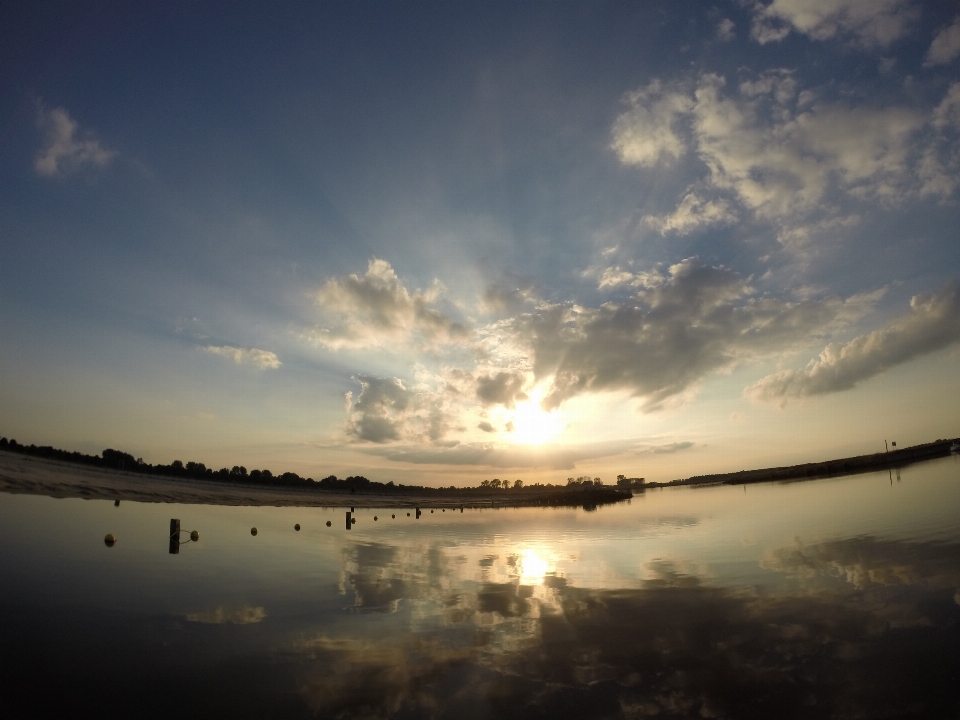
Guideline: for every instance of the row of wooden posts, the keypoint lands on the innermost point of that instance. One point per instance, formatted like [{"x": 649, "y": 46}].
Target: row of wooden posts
[{"x": 194, "y": 535}]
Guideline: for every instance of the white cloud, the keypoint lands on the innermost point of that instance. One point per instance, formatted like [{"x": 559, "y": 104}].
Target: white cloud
[
  {"x": 933, "y": 323},
  {"x": 647, "y": 132},
  {"x": 945, "y": 47},
  {"x": 692, "y": 212},
  {"x": 725, "y": 31},
  {"x": 947, "y": 113},
  {"x": 788, "y": 158},
  {"x": 262, "y": 359},
  {"x": 869, "y": 23},
  {"x": 376, "y": 310},
  {"x": 64, "y": 151}
]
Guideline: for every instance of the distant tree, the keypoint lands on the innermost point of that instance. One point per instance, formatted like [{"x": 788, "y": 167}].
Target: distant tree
[
  {"x": 597, "y": 482},
  {"x": 484, "y": 483},
  {"x": 517, "y": 484},
  {"x": 495, "y": 483},
  {"x": 238, "y": 470}
]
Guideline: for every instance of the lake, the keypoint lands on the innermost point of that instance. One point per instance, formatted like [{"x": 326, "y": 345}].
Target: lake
[{"x": 831, "y": 598}]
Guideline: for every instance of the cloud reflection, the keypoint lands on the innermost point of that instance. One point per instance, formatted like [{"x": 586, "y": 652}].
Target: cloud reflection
[{"x": 863, "y": 627}]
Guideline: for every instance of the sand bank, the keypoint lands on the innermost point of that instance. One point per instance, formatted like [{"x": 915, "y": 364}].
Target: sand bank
[{"x": 40, "y": 476}]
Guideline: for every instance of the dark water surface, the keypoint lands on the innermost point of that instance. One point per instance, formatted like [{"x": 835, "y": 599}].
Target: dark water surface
[{"x": 826, "y": 599}]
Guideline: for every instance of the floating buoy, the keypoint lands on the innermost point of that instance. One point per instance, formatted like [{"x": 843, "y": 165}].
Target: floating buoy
[
  {"x": 443, "y": 510},
  {"x": 431, "y": 512},
  {"x": 328, "y": 523},
  {"x": 194, "y": 535},
  {"x": 374, "y": 518},
  {"x": 394, "y": 517},
  {"x": 109, "y": 540},
  {"x": 116, "y": 503},
  {"x": 253, "y": 531},
  {"x": 353, "y": 521},
  {"x": 408, "y": 514},
  {"x": 297, "y": 527}
]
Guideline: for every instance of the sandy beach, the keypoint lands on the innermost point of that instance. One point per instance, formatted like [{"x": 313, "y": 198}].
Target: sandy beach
[{"x": 20, "y": 473}]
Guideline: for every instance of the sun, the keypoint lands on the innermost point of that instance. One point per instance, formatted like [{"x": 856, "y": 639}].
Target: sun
[{"x": 533, "y": 426}]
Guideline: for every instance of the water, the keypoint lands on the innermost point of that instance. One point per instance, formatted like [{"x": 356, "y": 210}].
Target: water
[{"x": 831, "y": 598}]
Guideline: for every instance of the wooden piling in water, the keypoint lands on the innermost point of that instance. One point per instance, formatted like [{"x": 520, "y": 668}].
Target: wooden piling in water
[
  {"x": 348, "y": 520},
  {"x": 174, "y": 536}
]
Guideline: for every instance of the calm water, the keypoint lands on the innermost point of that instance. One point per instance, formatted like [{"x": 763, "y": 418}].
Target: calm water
[{"x": 833, "y": 598}]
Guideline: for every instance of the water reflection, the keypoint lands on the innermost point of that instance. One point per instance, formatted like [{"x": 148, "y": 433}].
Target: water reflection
[
  {"x": 834, "y": 599},
  {"x": 873, "y": 630}
]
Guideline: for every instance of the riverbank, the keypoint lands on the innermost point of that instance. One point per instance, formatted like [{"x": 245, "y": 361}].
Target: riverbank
[
  {"x": 27, "y": 474},
  {"x": 828, "y": 468}
]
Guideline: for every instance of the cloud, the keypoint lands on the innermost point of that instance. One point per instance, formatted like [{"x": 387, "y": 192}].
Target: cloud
[
  {"x": 262, "y": 359},
  {"x": 945, "y": 46},
  {"x": 725, "y": 31},
  {"x": 486, "y": 427},
  {"x": 647, "y": 132},
  {"x": 556, "y": 457},
  {"x": 376, "y": 310},
  {"x": 693, "y": 212},
  {"x": 870, "y": 23},
  {"x": 933, "y": 323},
  {"x": 504, "y": 388},
  {"x": 386, "y": 410},
  {"x": 245, "y": 615},
  {"x": 788, "y": 157},
  {"x": 659, "y": 344},
  {"x": 64, "y": 151},
  {"x": 667, "y": 449}
]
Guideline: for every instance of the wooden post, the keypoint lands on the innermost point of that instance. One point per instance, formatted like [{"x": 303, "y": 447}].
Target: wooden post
[
  {"x": 418, "y": 513},
  {"x": 174, "y": 536},
  {"x": 348, "y": 519}
]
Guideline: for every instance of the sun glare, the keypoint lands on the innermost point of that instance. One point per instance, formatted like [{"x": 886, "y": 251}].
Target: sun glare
[
  {"x": 533, "y": 566},
  {"x": 533, "y": 426}
]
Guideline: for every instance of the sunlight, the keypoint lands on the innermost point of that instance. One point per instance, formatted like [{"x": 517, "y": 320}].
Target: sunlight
[
  {"x": 533, "y": 426},
  {"x": 532, "y": 567}
]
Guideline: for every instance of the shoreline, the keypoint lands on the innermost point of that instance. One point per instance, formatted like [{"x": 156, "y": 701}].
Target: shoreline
[
  {"x": 30, "y": 475},
  {"x": 22, "y": 473},
  {"x": 840, "y": 467}
]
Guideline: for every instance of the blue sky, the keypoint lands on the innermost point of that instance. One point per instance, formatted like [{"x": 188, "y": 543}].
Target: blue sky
[{"x": 438, "y": 242}]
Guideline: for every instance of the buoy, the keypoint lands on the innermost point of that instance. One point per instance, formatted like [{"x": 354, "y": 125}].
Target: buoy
[
  {"x": 353, "y": 521},
  {"x": 374, "y": 518},
  {"x": 393, "y": 517},
  {"x": 328, "y": 523},
  {"x": 194, "y": 535},
  {"x": 253, "y": 531},
  {"x": 297, "y": 527},
  {"x": 443, "y": 510},
  {"x": 408, "y": 514},
  {"x": 109, "y": 540},
  {"x": 431, "y": 512},
  {"x": 116, "y": 503}
]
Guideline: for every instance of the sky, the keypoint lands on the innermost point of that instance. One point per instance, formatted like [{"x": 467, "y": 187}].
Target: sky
[{"x": 436, "y": 242}]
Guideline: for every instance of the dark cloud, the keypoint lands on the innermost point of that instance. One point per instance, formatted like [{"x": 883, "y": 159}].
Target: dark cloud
[
  {"x": 486, "y": 427},
  {"x": 668, "y": 448},
  {"x": 504, "y": 388},
  {"x": 932, "y": 324},
  {"x": 558, "y": 457},
  {"x": 698, "y": 320}
]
